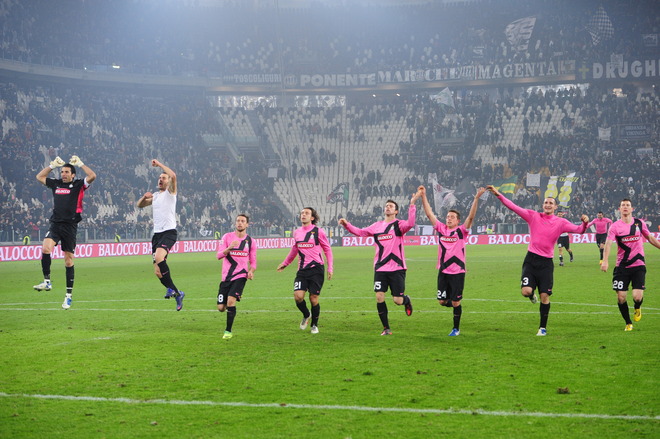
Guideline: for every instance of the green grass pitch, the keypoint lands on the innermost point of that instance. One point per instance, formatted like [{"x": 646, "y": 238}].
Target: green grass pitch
[{"x": 123, "y": 363}]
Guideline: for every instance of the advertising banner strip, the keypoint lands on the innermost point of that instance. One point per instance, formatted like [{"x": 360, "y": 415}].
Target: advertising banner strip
[{"x": 13, "y": 253}]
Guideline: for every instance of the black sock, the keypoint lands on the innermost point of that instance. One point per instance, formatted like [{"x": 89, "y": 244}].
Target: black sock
[
  {"x": 561, "y": 259},
  {"x": 165, "y": 278},
  {"x": 406, "y": 300},
  {"x": 544, "y": 310},
  {"x": 458, "y": 310},
  {"x": 625, "y": 313},
  {"x": 638, "y": 305},
  {"x": 231, "y": 314},
  {"x": 316, "y": 312},
  {"x": 302, "y": 306},
  {"x": 70, "y": 275},
  {"x": 571, "y": 255},
  {"x": 382, "y": 313},
  {"x": 601, "y": 254},
  {"x": 45, "y": 265}
]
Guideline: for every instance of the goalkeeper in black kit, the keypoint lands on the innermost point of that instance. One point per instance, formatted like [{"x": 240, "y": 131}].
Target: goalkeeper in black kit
[{"x": 68, "y": 194}]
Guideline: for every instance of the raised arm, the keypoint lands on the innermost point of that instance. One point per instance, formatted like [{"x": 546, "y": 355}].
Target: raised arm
[
  {"x": 90, "y": 175},
  {"x": 172, "y": 189},
  {"x": 523, "y": 213},
  {"x": 412, "y": 213},
  {"x": 427, "y": 207},
  {"x": 354, "y": 230},
  {"x": 43, "y": 174},
  {"x": 473, "y": 209}
]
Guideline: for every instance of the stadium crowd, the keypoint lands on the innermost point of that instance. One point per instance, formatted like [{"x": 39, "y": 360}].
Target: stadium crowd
[
  {"x": 218, "y": 38},
  {"x": 119, "y": 133}
]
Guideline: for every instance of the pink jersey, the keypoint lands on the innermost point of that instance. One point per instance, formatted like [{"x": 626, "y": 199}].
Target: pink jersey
[
  {"x": 309, "y": 243},
  {"x": 628, "y": 237},
  {"x": 543, "y": 229},
  {"x": 388, "y": 240},
  {"x": 451, "y": 248},
  {"x": 235, "y": 265},
  {"x": 601, "y": 224}
]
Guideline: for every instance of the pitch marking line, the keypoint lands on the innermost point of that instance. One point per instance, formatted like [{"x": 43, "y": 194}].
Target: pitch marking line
[{"x": 334, "y": 407}]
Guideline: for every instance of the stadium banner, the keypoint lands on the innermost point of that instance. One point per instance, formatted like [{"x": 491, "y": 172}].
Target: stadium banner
[
  {"x": 13, "y": 253},
  {"x": 627, "y": 69},
  {"x": 540, "y": 69},
  {"x": 635, "y": 131},
  {"x": 33, "y": 252}
]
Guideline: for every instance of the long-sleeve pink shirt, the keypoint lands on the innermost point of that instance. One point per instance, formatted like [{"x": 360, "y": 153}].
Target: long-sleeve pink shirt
[
  {"x": 543, "y": 229},
  {"x": 309, "y": 244},
  {"x": 388, "y": 240},
  {"x": 240, "y": 259},
  {"x": 601, "y": 224}
]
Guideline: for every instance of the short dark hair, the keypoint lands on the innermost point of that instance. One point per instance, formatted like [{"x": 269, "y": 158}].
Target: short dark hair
[
  {"x": 247, "y": 218},
  {"x": 458, "y": 214},
  {"x": 396, "y": 205},
  {"x": 600, "y": 211},
  {"x": 70, "y": 166},
  {"x": 315, "y": 214},
  {"x": 626, "y": 199}
]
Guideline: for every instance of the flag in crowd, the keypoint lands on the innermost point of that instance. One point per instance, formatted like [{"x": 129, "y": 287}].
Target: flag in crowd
[
  {"x": 442, "y": 197},
  {"x": 560, "y": 187},
  {"x": 444, "y": 98},
  {"x": 519, "y": 32},
  {"x": 339, "y": 195},
  {"x": 600, "y": 27},
  {"x": 507, "y": 186}
]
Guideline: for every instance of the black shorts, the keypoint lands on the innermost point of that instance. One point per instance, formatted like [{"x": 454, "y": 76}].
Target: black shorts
[
  {"x": 601, "y": 238},
  {"x": 165, "y": 240},
  {"x": 623, "y": 277},
  {"x": 63, "y": 234},
  {"x": 233, "y": 288},
  {"x": 563, "y": 241},
  {"x": 537, "y": 273},
  {"x": 394, "y": 280},
  {"x": 450, "y": 286},
  {"x": 310, "y": 279}
]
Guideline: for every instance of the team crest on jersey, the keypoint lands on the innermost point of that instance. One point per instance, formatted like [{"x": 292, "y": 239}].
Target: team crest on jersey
[
  {"x": 385, "y": 237},
  {"x": 449, "y": 238},
  {"x": 62, "y": 191},
  {"x": 304, "y": 245},
  {"x": 630, "y": 239},
  {"x": 239, "y": 253}
]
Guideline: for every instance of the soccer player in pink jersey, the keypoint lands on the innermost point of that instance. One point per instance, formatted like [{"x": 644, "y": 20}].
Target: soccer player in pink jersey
[
  {"x": 628, "y": 233},
  {"x": 390, "y": 259},
  {"x": 602, "y": 227},
  {"x": 538, "y": 268},
  {"x": 239, "y": 262},
  {"x": 452, "y": 238},
  {"x": 309, "y": 243}
]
